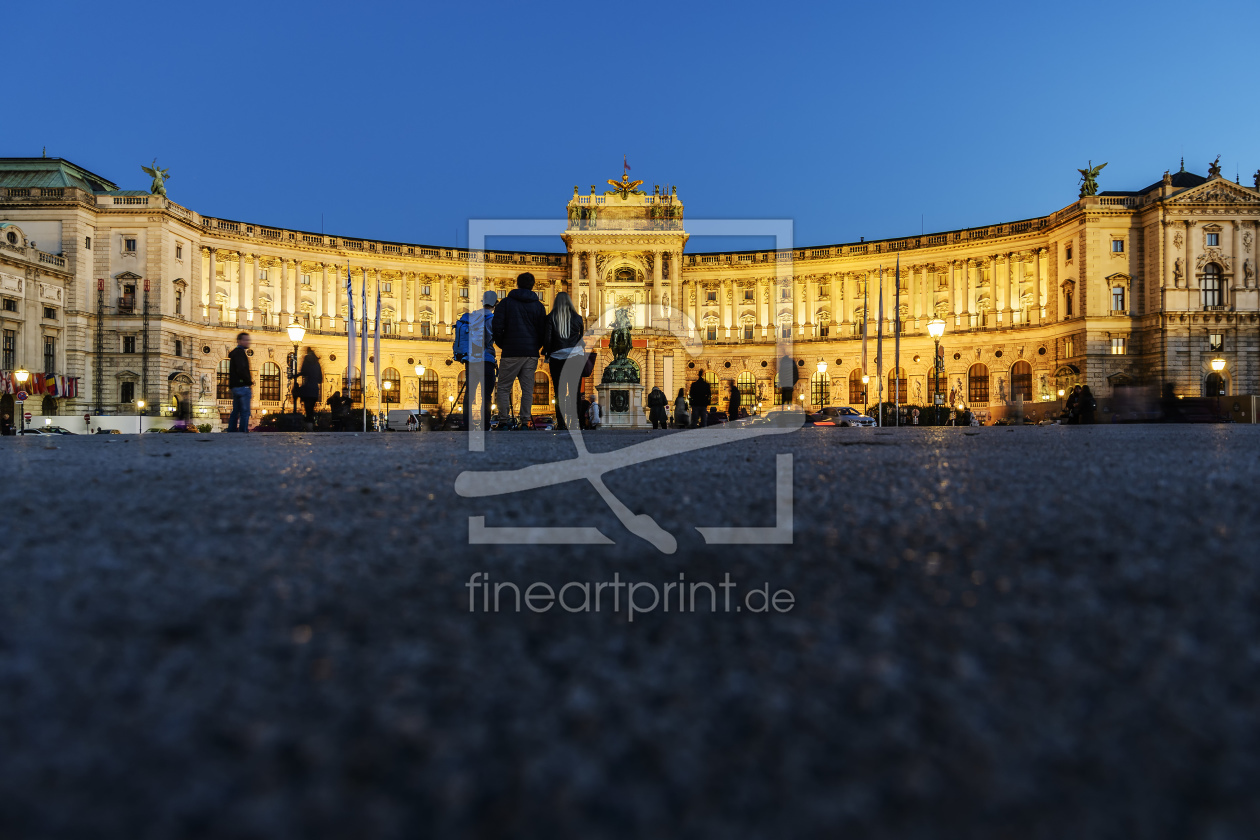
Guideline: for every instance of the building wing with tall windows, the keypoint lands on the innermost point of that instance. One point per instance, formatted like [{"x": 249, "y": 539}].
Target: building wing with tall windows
[{"x": 120, "y": 295}]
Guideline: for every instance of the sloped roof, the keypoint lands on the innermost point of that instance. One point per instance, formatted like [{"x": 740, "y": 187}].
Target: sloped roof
[
  {"x": 1180, "y": 180},
  {"x": 50, "y": 173}
]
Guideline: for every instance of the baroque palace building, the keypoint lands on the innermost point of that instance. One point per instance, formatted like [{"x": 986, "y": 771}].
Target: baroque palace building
[{"x": 121, "y": 295}]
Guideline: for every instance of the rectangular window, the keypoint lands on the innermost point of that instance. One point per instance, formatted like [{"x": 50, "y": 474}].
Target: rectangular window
[
  {"x": 786, "y": 332},
  {"x": 129, "y": 245},
  {"x": 425, "y": 327},
  {"x": 179, "y": 347},
  {"x": 1067, "y": 304},
  {"x": 787, "y": 294},
  {"x": 306, "y": 280},
  {"x": 1117, "y": 246},
  {"x": 50, "y": 314},
  {"x": 424, "y": 290},
  {"x": 823, "y": 329},
  {"x": 748, "y": 294},
  {"x": 10, "y": 305},
  {"x": 179, "y": 252},
  {"x": 1067, "y": 347},
  {"x": 1117, "y": 347},
  {"x": 179, "y": 301},
  {"x": 1067, "y": 253},
  {"x": 1216, "y": 342},
  {"x": 710, "y": 295},
  {"x": 87, "y": 243},
  {"x": 711, "y": 334},
  {"x": 748, "y": 332},
  {"x": 1117, "y": 299},
  {"x": 9, "y": 355},
  {"x": 50, "y": 354},
  {"x": 1213, "y": 240},
  {"x": 127, "y": 392},
  {"x": 262, "y": 274},
  {"x": 387, "y": 288},
  {"x": 129, "y": 344},
  {"x": 463, "y": 292}
]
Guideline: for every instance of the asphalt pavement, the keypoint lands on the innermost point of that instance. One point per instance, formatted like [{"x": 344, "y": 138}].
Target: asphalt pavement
[{"x": 1038, "y": 632}]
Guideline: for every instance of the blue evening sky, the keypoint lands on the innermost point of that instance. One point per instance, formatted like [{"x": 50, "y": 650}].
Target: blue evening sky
[{"x": 402, "y": 121}]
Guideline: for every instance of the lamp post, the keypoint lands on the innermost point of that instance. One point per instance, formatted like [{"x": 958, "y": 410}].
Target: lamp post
[
  {"x": 140, "y": 408},
  {"x": 21, "y": 375},
  {"x": 936, "y": 329},
  {"x": 420, "y": 376},
  {"x": 865, "y": 381},
  {"x": 1218, "y": 365},
  {"x": 386, "y": 387},
  {"x": 297, "y": 332}
]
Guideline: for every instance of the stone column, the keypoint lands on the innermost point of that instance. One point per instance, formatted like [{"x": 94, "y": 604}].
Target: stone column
[
  {"x": 1041, "y": 281},
  {"x": 279, "y": 293},
  {"x": 809, "y": 306},
  {"x": 236, "y": 297},
  {"x": 211, "y": 284},
  {"x": 970, "y": 281},
  {"x": 1236, "y": 248},
  {"x": 321, "y": 300},
  {"x": 592, "y": 280},
  {"x": 675, "y": 284},
  {"x": 657, "y": 281},
  {"x": 836, "y": 310},
  {"x": 1192, "y": 280}
]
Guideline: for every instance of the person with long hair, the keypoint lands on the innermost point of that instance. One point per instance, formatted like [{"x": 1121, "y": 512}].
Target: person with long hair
[{"x": 562, "y": 340}]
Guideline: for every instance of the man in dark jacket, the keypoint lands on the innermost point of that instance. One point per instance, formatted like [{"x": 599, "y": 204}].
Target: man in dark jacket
[
  {"x": 519, "y": 325},
  {"x": 700, "y": 394},
  {"x": 787, "y": 380},
  {"x": 656, "y": 409},
  {"x": 241, "y": 383}
]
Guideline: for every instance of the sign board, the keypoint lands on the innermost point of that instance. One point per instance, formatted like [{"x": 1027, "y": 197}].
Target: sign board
[
  {"x": 21, "y": 396},
  {"x": 28, "y": 416},
  {"x": 940, "y": 399}
]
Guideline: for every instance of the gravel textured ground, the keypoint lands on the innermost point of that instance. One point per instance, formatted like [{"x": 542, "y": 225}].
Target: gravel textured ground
[{"x": 1033, "y": 633}]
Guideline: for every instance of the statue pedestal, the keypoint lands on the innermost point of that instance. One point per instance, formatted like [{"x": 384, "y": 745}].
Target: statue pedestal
[{"x": 622, "y": 404}]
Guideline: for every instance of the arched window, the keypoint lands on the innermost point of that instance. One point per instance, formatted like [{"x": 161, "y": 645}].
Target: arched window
[
  {"x": 1214, "y": 385},
  {"x": 747, "y": 386},
  {"x": 269, "y": 382},
  {"x": 978, "y": 384},
  {"x": 855, "y": 386},
  {"x": 897, "y": 389},
  {"x": 222, "y": 390},
  {"x": 355, "y": 393},
  {"x": 778, "y": 395},
  {"x": 1212, "y": 290},
  {"x": 429, "y": 388},
  {"x": 542, "y": 389},
  {"x": 48, "y": 407},
  {"x": 819, "y": 389},
  {"x": 1021, "y": 381},
  {"x": 393, "y": 394}
]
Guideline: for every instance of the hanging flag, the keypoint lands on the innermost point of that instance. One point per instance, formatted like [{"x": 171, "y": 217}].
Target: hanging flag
[
  {"x": 897, "y": 346},
  {"x": 363, "y": 343},
  {"x": 624, "y": 165},
  {"x": 349, "y": 333},
  {"x": 866, "y": 308},
  {"x": 376, "y": 341},
  {"x": 879, "y": 350}
]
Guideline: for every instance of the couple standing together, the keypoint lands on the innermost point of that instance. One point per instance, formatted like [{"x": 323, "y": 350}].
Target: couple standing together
[{"x": 521, "y": 327}]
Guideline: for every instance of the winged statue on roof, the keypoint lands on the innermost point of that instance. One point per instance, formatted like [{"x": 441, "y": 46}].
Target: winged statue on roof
[
  {"x": 1089, "y": 179},
  {"x": 159, "y": 176},
  {"x": 625, "y": 187}
]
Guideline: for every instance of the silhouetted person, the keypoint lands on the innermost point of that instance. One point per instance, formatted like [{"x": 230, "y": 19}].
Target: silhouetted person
[
  {"x": 656, "y": 408},
  {"x": 241, "y": 384},
  {"x": 312, "y": 381},
  {"x": 1087, "y": 405},
  {"x": 700, "y": 394},
  {"x": 788, "y": 375},
  {"x": 732, "y": 412}
]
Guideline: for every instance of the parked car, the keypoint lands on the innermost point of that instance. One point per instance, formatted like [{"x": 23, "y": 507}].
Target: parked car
[
  {"x": 57, "y": 430},
  {"x": 544, "y": 422},
  {"x": 840, "y": 415},
  {"x": 31, "y": 430}
]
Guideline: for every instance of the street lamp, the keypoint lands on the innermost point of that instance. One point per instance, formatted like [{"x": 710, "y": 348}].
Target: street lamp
[
  {"x": 21, "y": 375},
  {"x": 866, "y": 379},
  {"x": 936, "y": 329},
  {"x": 140, "y": 408},
  {"x": 1218, "y": 365},
  {"x": 822, "y": 366},
  {"x": 297, "y": 332},
  {"x": 420, "y": 376}
]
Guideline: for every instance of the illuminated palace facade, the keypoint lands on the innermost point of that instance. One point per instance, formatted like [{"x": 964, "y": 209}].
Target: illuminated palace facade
[{"x": 136, "y": 297}]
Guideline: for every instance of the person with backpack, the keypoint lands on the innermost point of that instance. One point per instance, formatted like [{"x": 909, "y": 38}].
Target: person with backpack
[
  {"x": 474, "y": 346},
  {"x": 656, "y": 409},
  {"x": 700, "y": 395},
  {"x": 595, "y": 416},
  {"x": 562, "y": 340},
  {"x": 520, "y": 322}
]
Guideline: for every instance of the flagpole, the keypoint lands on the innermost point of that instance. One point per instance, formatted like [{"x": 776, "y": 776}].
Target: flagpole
[
  {"x": 866, "y": 314},
  {"x": 879, "y": 351},
  {"x": 363, "y": 346},
  {"x": 897, "y": 347},
  {"x": 350, "y": 325}
]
